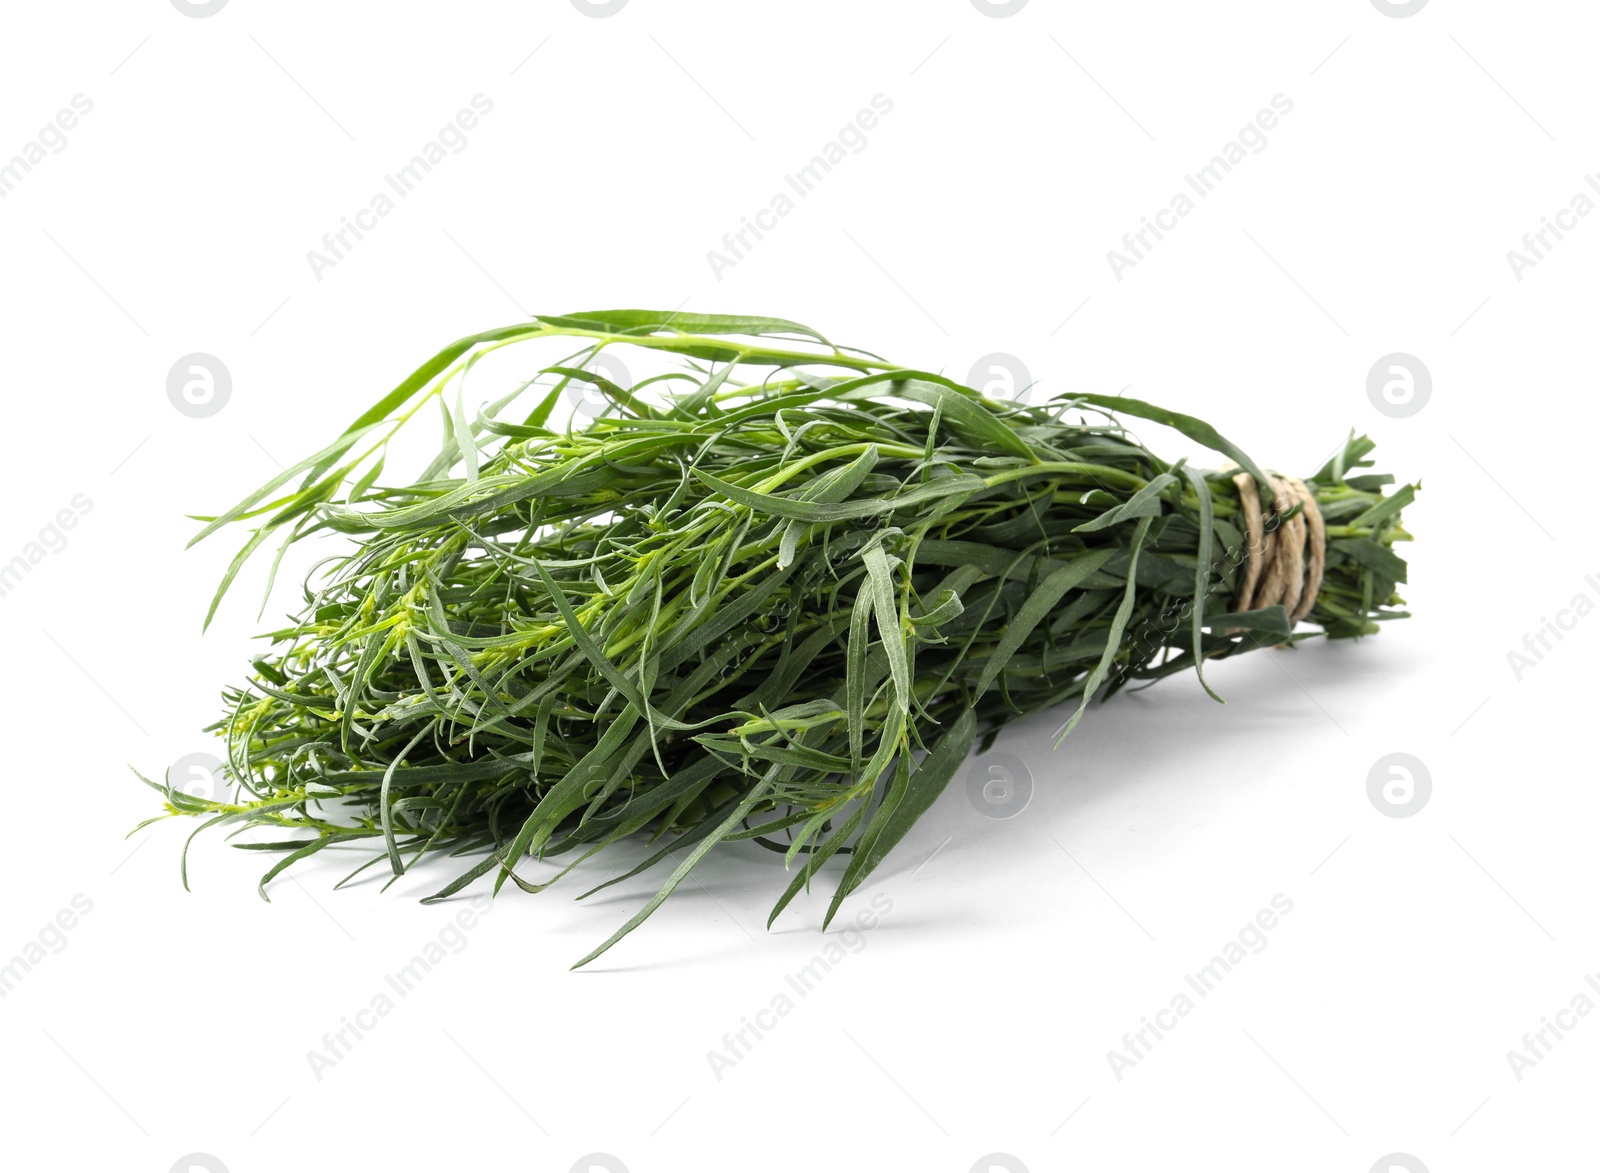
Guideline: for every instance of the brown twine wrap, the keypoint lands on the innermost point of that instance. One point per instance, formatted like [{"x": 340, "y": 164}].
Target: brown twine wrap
[{"x": 1284, "y": 564}]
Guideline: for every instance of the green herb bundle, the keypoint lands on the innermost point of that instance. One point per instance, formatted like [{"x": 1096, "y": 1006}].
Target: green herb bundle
[{"x": 773, "y": 594}]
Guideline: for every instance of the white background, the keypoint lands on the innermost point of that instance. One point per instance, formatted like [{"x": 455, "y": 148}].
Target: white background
[{"x": 976, "y": 1018}]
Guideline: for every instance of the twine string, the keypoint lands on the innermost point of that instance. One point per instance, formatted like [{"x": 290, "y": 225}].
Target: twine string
[{"x": 1284, "y": 563}]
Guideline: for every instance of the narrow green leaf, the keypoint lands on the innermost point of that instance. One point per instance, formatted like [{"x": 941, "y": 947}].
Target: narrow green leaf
[{"x": 926, "y": 783}]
